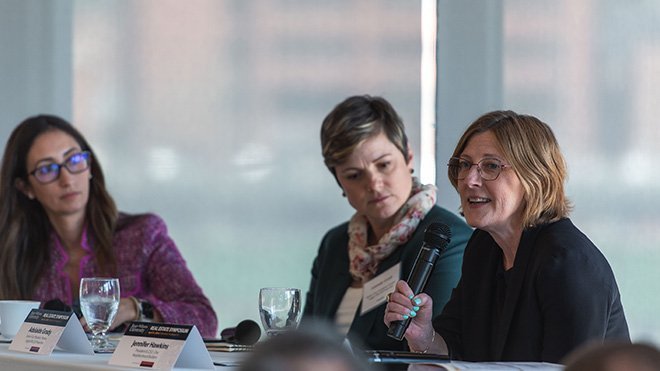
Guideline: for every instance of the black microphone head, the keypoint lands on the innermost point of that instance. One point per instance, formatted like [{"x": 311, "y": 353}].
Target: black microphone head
[
  {"x": 437, "y": 234},
  {"x": 247, "y": 332}
]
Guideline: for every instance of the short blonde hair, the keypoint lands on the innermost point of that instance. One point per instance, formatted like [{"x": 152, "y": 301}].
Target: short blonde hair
[
  {"x": 530, "y": 147},
  {"x": 355, "y": 120}
]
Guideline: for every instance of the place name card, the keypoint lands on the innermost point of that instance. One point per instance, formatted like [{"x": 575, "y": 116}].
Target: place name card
[
  {"x": 44, "y": 329},
  {"x": 161, "y": 346}
]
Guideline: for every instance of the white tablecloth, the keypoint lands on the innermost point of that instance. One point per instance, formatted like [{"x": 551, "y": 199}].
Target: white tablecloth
[{"x": 58, "y": 360}]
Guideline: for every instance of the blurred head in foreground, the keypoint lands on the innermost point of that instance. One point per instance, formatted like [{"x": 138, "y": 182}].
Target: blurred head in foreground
[
  {"x": 614, "y": 357},
  {"x": 307, "y": 349}
]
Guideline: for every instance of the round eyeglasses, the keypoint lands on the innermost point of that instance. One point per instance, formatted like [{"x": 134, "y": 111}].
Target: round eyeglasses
[
  {"x": 76, "y": 163},
  {"x": 488, "y": 168}
]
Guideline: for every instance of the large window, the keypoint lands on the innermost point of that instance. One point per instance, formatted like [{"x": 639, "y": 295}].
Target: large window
[
  {"x": 591, "y": 70},
  {"x": 208, "y": 113}
]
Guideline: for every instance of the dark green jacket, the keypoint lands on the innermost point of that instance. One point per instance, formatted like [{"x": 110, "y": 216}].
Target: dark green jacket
[{"x": 331, "y": 278}]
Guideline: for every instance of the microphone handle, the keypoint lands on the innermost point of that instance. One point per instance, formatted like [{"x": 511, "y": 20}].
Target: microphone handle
[{"x": 417, "y": 281}]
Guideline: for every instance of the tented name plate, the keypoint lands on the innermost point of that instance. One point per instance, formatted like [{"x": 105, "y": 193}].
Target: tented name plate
[
  {"x": 161, "y": 346},
  {"x": 43, "y": 330}
]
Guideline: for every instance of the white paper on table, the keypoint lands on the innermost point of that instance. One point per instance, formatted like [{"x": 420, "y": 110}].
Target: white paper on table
[{"x": 492, "y": 366}]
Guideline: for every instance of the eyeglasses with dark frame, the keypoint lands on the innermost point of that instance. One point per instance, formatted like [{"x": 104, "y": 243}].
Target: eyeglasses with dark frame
[
  {"x": 488, "y": 168},
  {"x": 75, "y": 164}
]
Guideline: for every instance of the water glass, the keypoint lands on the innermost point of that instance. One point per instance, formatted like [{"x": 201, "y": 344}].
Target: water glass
[
  {"x": 99, "y": 301},
  {"x": 279, "y": 309}
]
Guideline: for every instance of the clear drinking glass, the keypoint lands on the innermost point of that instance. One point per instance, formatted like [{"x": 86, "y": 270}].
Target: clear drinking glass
[
  {"x": 99, "y": 301},
  {"x": 279, "y": 309}
]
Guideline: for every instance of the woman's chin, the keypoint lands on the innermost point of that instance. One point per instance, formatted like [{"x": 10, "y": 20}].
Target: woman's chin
[{"x": 474, "y": 222}]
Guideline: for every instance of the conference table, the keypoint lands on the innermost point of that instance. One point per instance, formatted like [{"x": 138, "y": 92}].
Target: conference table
[
  {"x": 59, "y": 360},
  {"x": 225, "y": 361}
]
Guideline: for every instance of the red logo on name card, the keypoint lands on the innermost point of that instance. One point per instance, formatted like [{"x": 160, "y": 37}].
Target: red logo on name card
[
  {"x": 35, "y": 349},
  {"x": 146, "y": 364}
]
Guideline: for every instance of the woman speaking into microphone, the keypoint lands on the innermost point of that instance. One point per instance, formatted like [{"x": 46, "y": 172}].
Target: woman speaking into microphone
[
  {"x": 533, "y": 286},
  {"x": 366, "y": 150}
]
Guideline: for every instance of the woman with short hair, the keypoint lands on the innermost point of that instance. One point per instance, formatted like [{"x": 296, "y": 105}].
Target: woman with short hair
[{"x": 533, "y": 286}]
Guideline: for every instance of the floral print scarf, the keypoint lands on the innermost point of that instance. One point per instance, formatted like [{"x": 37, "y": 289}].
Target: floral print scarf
[{"x": 364, "y": 260}]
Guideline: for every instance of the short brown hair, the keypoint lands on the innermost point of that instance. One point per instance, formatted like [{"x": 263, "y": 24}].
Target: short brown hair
[
  {"x": 530, "y": 147},
  {"x": 356, "y": 119}
]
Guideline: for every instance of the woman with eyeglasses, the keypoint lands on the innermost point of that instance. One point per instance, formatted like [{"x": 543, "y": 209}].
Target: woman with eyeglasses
[
  {"x": 59, "y": 224},
  {"x": 533, "y": 286}
]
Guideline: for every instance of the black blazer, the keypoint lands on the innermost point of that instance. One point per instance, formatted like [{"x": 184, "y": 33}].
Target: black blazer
[
  {"x": 560, "y": 294},
  {"x": 331, "y": 278}
]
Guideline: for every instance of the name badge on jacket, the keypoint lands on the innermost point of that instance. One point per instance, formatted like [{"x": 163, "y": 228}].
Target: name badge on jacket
[{"x": 375, "y": 291}]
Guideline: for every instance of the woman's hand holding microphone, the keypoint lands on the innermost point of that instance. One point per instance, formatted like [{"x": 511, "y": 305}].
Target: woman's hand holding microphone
[{"x": 421, "y": 336}]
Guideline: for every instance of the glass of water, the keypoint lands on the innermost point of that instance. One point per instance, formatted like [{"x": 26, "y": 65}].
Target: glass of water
[
  {"x": 99, "y": 301},
  {"x": 279, "y": 309}
]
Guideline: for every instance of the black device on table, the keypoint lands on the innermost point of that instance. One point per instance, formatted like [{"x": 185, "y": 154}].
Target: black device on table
[{"x": 400, "y": 361}]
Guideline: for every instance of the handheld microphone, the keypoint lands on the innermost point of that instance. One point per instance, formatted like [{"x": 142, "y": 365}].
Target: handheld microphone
[
  {"x": 247, "y": 332},
  {"x": 436, "y": 238}
]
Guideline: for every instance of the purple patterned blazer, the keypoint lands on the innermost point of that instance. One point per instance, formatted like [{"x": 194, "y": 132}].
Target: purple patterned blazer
[{"x": 149, "y": 267}]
